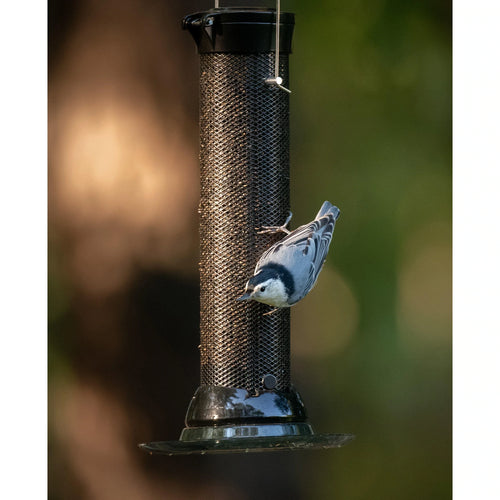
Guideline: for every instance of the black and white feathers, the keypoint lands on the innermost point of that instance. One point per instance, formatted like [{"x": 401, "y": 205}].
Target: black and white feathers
[{"x": 289, "y": 269}]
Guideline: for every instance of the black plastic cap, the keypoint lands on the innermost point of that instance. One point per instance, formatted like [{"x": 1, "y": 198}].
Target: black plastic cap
[{"x": 243, "y": 30}]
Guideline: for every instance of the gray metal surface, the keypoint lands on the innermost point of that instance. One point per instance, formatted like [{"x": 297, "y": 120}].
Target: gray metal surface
[
  {"x": 244, "y": 159},
  {"x": 248, "y": 444}
]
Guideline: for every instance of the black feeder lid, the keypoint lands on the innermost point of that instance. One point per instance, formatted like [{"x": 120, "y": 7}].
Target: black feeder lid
[{"x": 241, "y": 30}]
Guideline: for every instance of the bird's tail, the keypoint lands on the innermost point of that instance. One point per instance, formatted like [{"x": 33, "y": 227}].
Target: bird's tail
[{"x": 328, "y": 208}]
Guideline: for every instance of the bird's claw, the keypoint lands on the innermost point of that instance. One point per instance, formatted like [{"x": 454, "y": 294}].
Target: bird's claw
[
  {"x": 276, "y": 229},
  {"x": 273, "y": 229},
  {"x": 275, "y": 309}
]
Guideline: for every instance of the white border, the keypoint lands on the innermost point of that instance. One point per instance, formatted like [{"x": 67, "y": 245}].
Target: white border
[
  {"x": 23, "y": 256},
  {"x": 476, "y": 254}
]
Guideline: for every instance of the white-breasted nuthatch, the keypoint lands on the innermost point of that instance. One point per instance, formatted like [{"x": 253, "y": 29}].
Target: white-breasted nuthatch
[{"x": 287, "y": 271}]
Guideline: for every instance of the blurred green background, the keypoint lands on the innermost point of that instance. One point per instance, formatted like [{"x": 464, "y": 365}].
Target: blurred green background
[{"x": 371, "y": 345}]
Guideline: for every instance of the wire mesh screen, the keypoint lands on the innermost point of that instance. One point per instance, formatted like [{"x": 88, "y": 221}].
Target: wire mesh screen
[{"x": 244, "y": 158}]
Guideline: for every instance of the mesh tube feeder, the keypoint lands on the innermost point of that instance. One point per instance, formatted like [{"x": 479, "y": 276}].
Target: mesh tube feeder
[{"x": 245, "y": 401}]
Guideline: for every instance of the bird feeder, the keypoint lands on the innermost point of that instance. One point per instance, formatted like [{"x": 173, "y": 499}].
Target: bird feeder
[{"x": 245, "y": 401}]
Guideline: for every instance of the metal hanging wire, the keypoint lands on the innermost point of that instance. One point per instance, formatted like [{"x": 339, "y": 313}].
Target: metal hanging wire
[{"x": 277, "y": 80}]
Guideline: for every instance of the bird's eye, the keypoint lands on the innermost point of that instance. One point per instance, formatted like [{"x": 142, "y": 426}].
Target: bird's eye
[{"x": 262, "y": 288}]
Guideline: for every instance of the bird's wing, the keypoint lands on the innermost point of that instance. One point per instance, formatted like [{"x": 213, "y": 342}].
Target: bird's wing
[
  {"x": 297, "y": 238},
  {"x": 317, "y": 247}
]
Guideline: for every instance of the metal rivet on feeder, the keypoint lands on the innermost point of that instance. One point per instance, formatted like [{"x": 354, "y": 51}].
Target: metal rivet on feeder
[
  {"x": 269, "y": 381},
  {"x": 245, "y": 401}
]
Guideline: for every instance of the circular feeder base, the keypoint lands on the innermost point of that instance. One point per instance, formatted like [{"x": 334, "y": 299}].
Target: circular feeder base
[{"x": 245, "y": 443}]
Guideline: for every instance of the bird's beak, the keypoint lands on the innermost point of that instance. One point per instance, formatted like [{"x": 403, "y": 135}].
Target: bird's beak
[{"x": 245, "y": 296}]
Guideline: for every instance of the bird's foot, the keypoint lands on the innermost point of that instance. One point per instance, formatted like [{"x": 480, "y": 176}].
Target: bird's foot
[
  {"x": 276, "y": 229},
  {"x": 272, "y": 311}
]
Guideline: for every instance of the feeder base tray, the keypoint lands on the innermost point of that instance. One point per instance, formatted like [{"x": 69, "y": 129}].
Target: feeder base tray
[{"x": 247, "y": 439}]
